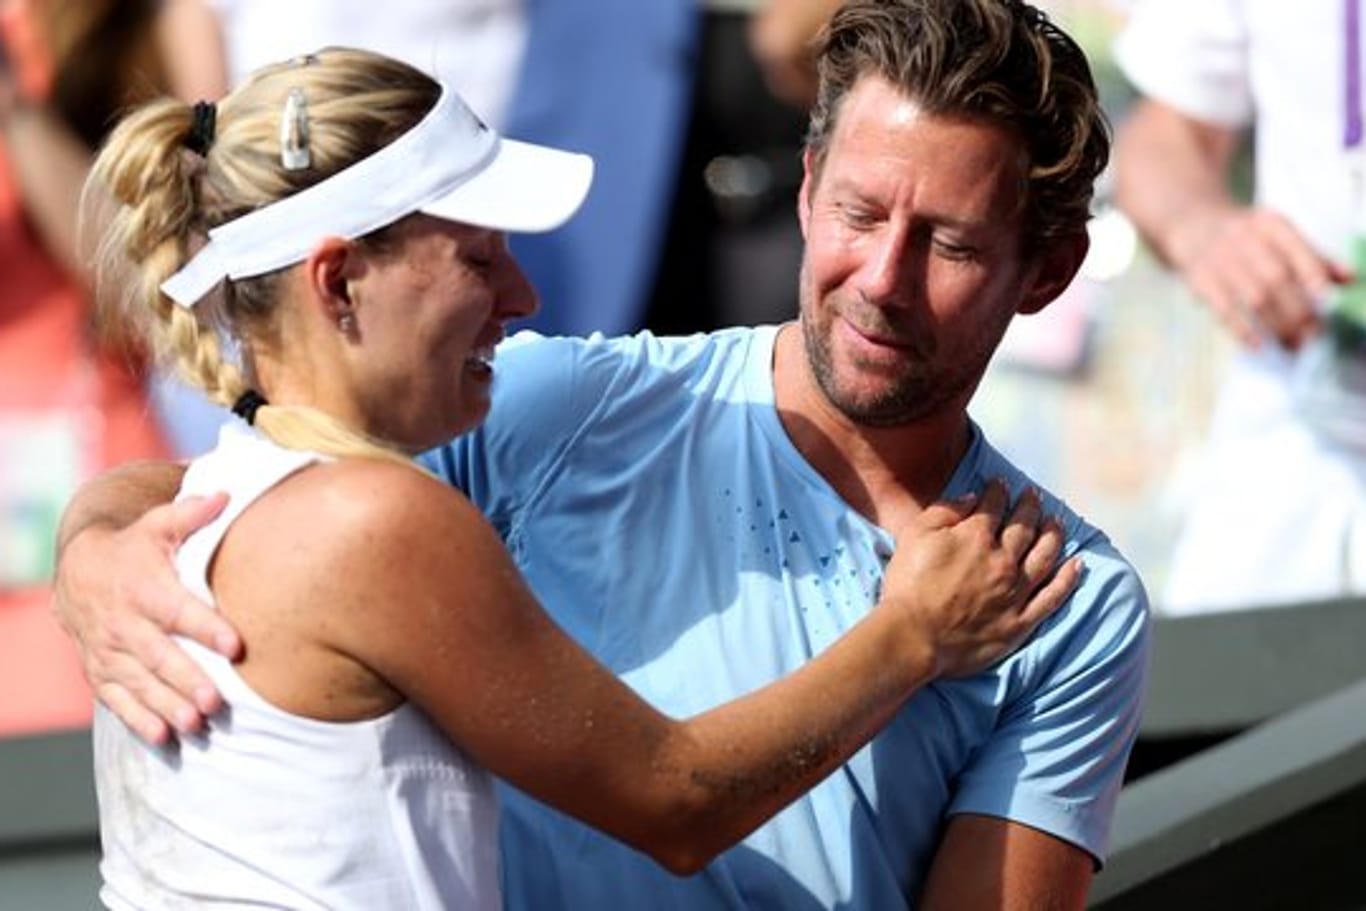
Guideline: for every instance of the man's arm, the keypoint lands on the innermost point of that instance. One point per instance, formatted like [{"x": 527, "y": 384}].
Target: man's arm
[
  {"x": 1031, "y": 809},
  {"x": 117, "y": 595},
  {"x": 1249, "y": 265},
  {"x": 988, "y": 863}
]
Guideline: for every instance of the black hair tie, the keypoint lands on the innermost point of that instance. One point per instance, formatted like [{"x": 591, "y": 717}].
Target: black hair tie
[
  {"x": 247, "y": 404},
  {"x": 203, "y": 128}
]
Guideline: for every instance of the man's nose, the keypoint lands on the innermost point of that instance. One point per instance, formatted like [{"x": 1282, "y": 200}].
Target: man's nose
[{"x": 889, "y": 268}]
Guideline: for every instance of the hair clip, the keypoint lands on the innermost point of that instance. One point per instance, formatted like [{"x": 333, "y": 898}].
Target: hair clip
[{"x": 294, "y": 153}]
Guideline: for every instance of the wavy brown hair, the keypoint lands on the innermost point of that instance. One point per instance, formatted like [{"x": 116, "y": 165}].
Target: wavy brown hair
[{"x": 1002, "y": 60}]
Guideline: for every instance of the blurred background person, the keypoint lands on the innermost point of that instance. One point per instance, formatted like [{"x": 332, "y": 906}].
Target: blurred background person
[
  {"x": 613, "y": 78},
  {"x": 474, "y": 44},
  {"x": 70, "y": 403},
  {"x": 782, "y": 35},
  {"x": 1287, "y": 428},
  {"x": 733, "y": 246}
]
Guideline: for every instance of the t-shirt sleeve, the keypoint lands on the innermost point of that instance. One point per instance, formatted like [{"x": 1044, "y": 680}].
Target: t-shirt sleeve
[
  {"x": 1056, "y": 758},
  {"x": 1192, "y": 55},
  {"x": 545, "y": 393}
]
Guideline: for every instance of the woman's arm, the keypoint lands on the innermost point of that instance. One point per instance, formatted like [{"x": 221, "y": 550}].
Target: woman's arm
[
  {"x": 407, "y": 580},
  {"x": 190, "y": 40},
  {"x": 50, "y": 164}
]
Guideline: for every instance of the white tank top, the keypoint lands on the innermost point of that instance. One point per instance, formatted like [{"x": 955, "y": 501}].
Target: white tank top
[{"x": 272, "y": 810}]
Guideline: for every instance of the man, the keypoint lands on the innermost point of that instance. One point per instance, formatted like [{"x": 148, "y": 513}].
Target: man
[
  {"x": 1266, "y": 271},
  {"x": 945, "y": 191}
]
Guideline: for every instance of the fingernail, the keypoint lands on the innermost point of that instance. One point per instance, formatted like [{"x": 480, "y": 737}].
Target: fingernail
[
  {"x": 156, "y": 734},
  {"x": 204, "y": 698},
  {"x": 186, "y": 720},
  {"x": 225, "y": 644}
]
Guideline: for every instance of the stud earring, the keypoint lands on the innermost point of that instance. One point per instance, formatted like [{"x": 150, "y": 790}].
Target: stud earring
[{"x": 346, "y": 322}]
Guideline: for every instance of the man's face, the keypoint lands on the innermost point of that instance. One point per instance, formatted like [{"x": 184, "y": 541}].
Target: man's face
[{"x": 912, "y": 267}]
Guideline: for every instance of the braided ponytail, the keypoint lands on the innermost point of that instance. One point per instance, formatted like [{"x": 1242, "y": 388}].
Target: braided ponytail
[{"x": 170, "y": 180}]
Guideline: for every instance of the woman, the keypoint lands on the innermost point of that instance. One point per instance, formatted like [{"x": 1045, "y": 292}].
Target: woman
[{"x": 394, "y": 658}]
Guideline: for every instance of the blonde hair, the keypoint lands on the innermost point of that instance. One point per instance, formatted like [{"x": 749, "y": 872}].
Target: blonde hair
[{"x": 166, "y": 198}]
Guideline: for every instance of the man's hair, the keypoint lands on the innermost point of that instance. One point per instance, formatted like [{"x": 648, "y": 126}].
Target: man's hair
[{"x": 1001, "y": 60}]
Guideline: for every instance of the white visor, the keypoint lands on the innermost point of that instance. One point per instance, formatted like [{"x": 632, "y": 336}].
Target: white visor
[{"x": 450, "y": 165}]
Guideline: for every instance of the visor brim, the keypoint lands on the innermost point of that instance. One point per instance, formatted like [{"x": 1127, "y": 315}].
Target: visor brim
[{"x": 525, "y": 188}]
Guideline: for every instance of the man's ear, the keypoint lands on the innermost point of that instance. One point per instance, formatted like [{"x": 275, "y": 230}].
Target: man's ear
[
  {"x": 328, "y": 273},
  {"x": 1053, "y": 271}
]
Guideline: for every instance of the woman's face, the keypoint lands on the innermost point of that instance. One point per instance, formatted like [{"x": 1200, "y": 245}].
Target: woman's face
[{"x": 429, "y": 313}]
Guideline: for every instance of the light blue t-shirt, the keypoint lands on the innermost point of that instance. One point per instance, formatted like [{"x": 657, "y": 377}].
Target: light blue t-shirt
[{"x": 659, "y": 510}]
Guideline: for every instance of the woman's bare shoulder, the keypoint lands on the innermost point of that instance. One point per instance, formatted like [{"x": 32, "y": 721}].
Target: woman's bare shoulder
[
  {"x": 337, "y": 570},
  {"x": 358, "y": 509}
]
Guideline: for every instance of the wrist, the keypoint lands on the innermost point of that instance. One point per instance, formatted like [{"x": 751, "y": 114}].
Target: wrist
[
  {"x": 1191, "y": 232},
  {"x": 910, "y": 650},
  {"x": 76, "y": 537},
  {"x": 71, "y": 556}
]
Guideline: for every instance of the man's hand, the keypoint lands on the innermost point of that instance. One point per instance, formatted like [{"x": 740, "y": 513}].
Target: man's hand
[
  {"x": 118, "y": 596},
  {"x": 1256, "y": 272},
  {"x": 975, "y": 578}
]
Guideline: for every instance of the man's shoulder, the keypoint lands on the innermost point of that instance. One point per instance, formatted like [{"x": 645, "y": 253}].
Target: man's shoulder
[
  {"x": 529, "y": 347},
  {"x": 576, "y": 375},
  {"x": 1112, "y": 589},
  {"x": 555, "y": 394}
]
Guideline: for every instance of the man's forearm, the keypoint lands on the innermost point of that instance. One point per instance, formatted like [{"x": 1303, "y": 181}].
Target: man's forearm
[
  {"x": 1172, "y": 172},
  {"x": 118, "y": 498}
]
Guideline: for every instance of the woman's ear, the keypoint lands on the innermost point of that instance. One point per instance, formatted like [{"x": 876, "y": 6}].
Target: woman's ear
[{"x": 328, "y": 273}]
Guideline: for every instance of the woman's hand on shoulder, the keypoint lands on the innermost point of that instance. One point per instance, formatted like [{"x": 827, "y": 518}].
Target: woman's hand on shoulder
[{"x": 976, "y": 577}]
